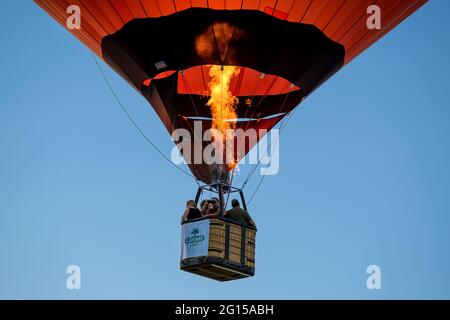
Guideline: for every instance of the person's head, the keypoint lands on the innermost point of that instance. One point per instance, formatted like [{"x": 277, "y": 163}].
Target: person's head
[
  {"x": 191, "y": 204},
  {"x": 215, "y": 202},
  {"x": 202, "y": 203},
  {"x": 235, "y": 203}
]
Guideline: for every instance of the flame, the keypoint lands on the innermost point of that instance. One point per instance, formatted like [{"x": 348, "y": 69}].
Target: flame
[{"x": 223, "y": 109}]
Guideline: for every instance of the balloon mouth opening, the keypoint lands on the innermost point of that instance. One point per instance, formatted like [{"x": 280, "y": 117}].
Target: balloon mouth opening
[{"x": 249, "y": 82}]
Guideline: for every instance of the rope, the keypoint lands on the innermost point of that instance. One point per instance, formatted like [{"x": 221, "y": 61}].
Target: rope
[
  {"x": 276, "y": 142},
  {"x": 283, "y": 122},
  {"x": 124, "y": 109}
]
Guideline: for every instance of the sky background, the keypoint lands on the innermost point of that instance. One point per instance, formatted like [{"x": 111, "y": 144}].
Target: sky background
[{"x": 364, "y": 177}]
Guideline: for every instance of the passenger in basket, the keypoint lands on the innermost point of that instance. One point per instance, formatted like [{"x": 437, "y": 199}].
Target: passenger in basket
[
  {"x": 212, "y": 208},
  {"x": 239, "y": 215},
  {"x": 215, "y": 206},
  {"x": 191, "y": 212},
  {"x": 205, "y": 207}
]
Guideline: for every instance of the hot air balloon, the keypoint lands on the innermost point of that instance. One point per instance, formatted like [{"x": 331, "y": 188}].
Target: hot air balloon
[{"x": 228, "y": 65}]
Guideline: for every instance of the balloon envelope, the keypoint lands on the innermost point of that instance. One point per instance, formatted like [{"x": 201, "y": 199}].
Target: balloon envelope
[{"x": 285, "y": 49}]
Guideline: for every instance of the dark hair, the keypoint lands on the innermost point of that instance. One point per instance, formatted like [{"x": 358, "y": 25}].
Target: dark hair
[{"x": 235, "y": 203}]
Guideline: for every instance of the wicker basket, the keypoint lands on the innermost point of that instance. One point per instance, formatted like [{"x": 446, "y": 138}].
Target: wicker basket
[{"x": 231, "y": 252}]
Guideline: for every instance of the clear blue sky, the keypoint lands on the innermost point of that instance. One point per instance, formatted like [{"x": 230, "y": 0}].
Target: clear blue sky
[{"x": 364, "y": 177}]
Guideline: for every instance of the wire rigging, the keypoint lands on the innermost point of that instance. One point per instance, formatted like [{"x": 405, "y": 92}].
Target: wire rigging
[
  {"x": 276, "y": 142},
  {"x": 124, "y": 109},
  {"x": 283, "y": 121}
]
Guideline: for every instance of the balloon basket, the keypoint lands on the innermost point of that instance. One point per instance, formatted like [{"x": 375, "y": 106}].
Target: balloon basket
[{"x": 230, "y": 251}]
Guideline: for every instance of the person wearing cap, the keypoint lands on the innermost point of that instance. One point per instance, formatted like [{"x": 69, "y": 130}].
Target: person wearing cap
[{"x": 239, "y": 215}]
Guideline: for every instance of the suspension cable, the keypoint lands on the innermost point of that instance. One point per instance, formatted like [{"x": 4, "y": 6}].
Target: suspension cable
[
  {"x": 124, "y": 109},
  {"x": 283, "y": 121},
  {"x": 276, "y": 142}
]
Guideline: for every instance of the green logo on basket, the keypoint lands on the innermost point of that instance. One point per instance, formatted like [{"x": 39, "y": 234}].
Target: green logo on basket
[{"x": 194, "y": 238}]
